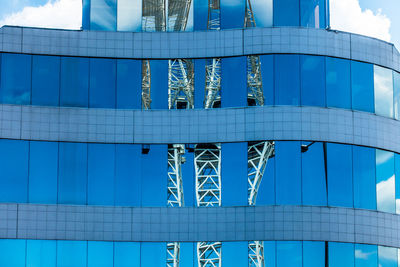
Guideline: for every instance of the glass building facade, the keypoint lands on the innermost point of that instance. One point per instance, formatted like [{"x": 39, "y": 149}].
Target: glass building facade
[{"x": 80, "y": 188}]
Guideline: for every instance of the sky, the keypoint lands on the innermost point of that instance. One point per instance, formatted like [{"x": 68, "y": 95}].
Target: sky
[{"x": 375, "y": 18}]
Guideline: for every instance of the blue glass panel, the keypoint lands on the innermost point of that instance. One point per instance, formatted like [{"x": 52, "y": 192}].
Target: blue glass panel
[
  {"x": 396, "y": 95},
  {"x": 15, "y": 86},
  {"x": 383, "y": 82},
  {"x": 362, "y": 86},
  {"x": 86, "y": 14},
  {"x": 74, "y": 82},
  {"x": 14, "y": 171},
  {"x": 340, "y": 175},
  {"x": 129, "y": 15},
  {"x": 288, "y": 180},
  {"x": 234, "y": 253},
  {"x": 312, "y": 13},
  {"x": 232, "y": 13},
  {"x": 313, "y": 254},
  {"x": 313, "y": 76},
  {"x": 397, "y": 181},
  {"x": 234, "y": 180},
  {"x": 366, "y": 255},
  {"x": 200, "y": 15},
  {"x": 199, "y": 80},
  {"x": 364, "y": 177},
  {"x": 287, "y": 80},
  {"x": 45, "y": 80},
  {"x": 234, "y": 82},
  {"x": 188, "y": 174},
  {"x": 188, "y": 256},
  {"x": 41, "y": 253},
  {"x": 387, "y": 256},
  {"x": 100, "y": 254},
  {"x": 288, "y": 253},
  {"x": 103, "y": 15},
  {"x": 341, "y": 254},
  {"x": 385, "y": 184},
  {"x": 263, "y": 12},
  {"x": 12, "y": 252},
  {"x": 267, "y": 73},
  {"x": 126, "y": 254},
  {"x": 314, "y": 174},
  {"x": 71, "y": 253},
  {"x": 159, "y": 84},
  {"x": 128, "y": 175},
  {"x": 102, "y": 83},
  {"x": 153, "y": 254},
  {"x": 43, "y": 168},
  {"x": 266, "y": 191},
  {"x": 129, "y": 84},
  {"x": 101, "y": 169},
  {"x": 269, "y": 254},
  {"x": 338, "y": 93},
  {"x": 286, "y": 13},
  {"x": 72, "y": 173},
  {"x": 154, "y": 176}
]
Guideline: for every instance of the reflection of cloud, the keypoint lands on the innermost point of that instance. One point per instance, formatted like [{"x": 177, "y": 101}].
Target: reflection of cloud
[
  {"x": 383, "y": 82},
  {"x": 64, "y": 14},
  {"x": 347, "y": 15},
  {"x": 359, "y": 254},
  {"x": 387, "y": 253},
  {"x": 383, "y": 157},
  {"x": 385, "y": 194}
]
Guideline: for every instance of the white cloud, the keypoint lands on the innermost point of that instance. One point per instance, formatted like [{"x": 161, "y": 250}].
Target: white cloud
[
  {"x": 62, "y": 14},
  {"x": 347, "y": 15},
  {"x": 359, "y": 254}
]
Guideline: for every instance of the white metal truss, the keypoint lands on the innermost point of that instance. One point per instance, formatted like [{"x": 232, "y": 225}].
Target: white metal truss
[
  {"x": 146, "y": 84},
  {"x": 178, "y": 14},
  {"x": 153, "y": 16},
  {"x": 180, "y": 84},
  {"x": 209, "y": 254},
  {"x": 173, "y": 254},
  {"x": 213, "y": 83},
  {"x": 255, "y": 94},
  {"x": 256, "y": 254}
]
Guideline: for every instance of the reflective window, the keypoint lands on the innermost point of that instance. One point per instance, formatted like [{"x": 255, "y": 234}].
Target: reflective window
[
  {"x": 269, "y": 253},
  {"x": 366, "y": 255},
  {"x": 313, "y": 254},
  {"x": 266, "y": 191},
  {"x": 338, "y": 93},
  {"x": 200, "y": 15},
  {"x": 102, "y": 83},
  {"x": 126, "y": 254},
  {"x": 364, "y": 177},
  {"x": 159, "y": 84},
  {"x": 174, "y": 18},
  {"x": 234, "y": 82},
  {"x": 312, "y": 13},
  {"x": 100, "y": 254},
  {"x": 387, "y": 257},
  {"x": 129, "y": 15},
  {"x": 129, "y": 84},
  {"x": 128, "y": 175},
  {"x": 397, "y": 180},
  {"x": 385, "y": 184},
  {"x": 383, "y": 81},
  {"x": 313, "y": 173},
  {"x": 45, "y": 80},
  {"x": 234, "y": 180},
  {"x": 14, "y": 170},
  {"x": 153, "y": 254},
  {"x": 12, "y": 252},
  {"x": 15, "y": 82},
  {"x": 313, "y": 76},
  {"x": 341, "y": 254},
  {"x": 286, "y": 248},
  {"x": 43, "y": 167},
  {"x": 74, "y": 81},
  {"x": 65, "y": 249},
  {"x": 287, "y": 79},
  {"x": 154, "y": 173},
  {"x": 263, "y": 12},
  {"x": 41, "y": 253},
  {"x": 396, "y": 94},
  {"x": 72, "y": 173},
  {"x": 101, "y": 169},
  {"x": 234, "y": 253},
  {"x": 232, "y": 13},
  {"x": 199, "y": 80},
  {"x": 340, "y": 179},
  {"x": 86, "y": 14},
  {"x": 188, "y": 174},
  {"x": 103, "y": 15},
  {"x": 284, "y": 16},
  {"x": 288, "y": 180},
  {"x": 362, "y": 86},
  {"x": 267, "y": 73}
]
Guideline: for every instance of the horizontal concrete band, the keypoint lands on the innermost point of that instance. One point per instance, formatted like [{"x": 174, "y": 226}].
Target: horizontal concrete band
[
  {"x": 199, "y": 125},
  {"x": 30, "y": 221},
  {"x": 224, "y": 43}
]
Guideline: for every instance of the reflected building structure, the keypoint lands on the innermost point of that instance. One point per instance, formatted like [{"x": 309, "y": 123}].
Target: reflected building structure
[{"x": 199, "y": 133}]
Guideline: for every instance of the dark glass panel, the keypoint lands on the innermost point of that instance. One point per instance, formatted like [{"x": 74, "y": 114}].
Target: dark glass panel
[
  {"x": 159, "y": 84},
  {"x": 232, "y": 13},
  {"x": 287, "y": 80},
  {"x": 364, "y": 177},
  {"x": 129, "y": 84},
  {"x": 102, "y": 83},
  {"x": 46, "y": 80},
  {"x": 286, "y": 13},
  {"x": 362, "y": 86},
  {"x": 313, "y": 76},
  {"x": 338, "y": 93},
  {"x": 267, "y": 73},
  {"x": 234, "y": 82},
  {"x": 74, "y": 82}
]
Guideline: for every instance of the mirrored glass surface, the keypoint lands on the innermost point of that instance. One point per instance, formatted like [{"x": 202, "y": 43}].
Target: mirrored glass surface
[
  {"x": 45, "y": 80},
  {"x": 41, "y": 253},
  {"x": 287, "y": 79},
  {"x": 234, "y": 253},
  {"x": 153, "y": 254},
  {"x": 232, "y": 13},
  {"x": 126, "y": 254},
  {"x": 67, "y": 248},
  {"x": 313, "y": 76},
  {"x": 129, "y": 84},
  {"x": 362, "y": 86},
  {"x": 188, "y": 174},
  {"x": 200, "y": 15},
  {"x": 129, "y": 15},
  {"x": 385, "y": 184},
  {"x": 234, "y": 82},
  {"x": 270, "y": 253},
  {"x": 365, "y": 255},
  {"x": 266, "y": 190},
  {"x": 199, "y": 81},
  {"x": 286, "y": 13},
  {"x": 100, "y": 254},
  {"x": 397, "y": 181},
  {"x": 74, "y": 82},
  {"x": 159, "y": 84},
  {"x": 12, "y": 252},
  {"x": 286, "y": 248},
  {"x": 364, "y": 177},
  {"x": 383, "y": 84},
  {"x": 313, "y": 254},
  {"x": 387, "y": 257},
  {"x": 267, "y": 73},
  {"x": 341, "y": 254},
  {"x": 396, "y": 94},
  {"x": 262, "y": 11},
  {"x": 103, "y": 15},
  {"x": 313, "y": 13},
  {"x": 102, "y": 83},
  {"x": 338, "y": 93}
]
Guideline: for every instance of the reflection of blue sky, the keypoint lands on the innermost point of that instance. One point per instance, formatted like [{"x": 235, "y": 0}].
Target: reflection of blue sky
[{"x": 262, "y": 10}]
